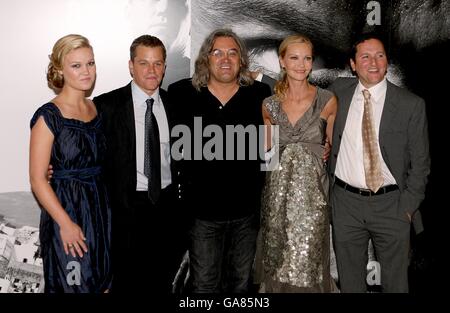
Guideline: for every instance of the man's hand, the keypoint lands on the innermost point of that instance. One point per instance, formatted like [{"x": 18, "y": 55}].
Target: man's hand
[{"x": 409, "y": 217}]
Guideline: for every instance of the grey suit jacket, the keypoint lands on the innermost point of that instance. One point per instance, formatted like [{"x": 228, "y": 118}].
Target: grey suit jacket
[{"x": 403, "y": 139}]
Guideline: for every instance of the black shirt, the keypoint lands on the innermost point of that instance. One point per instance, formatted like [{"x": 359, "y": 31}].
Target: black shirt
[{"x": 223, "y": 177}]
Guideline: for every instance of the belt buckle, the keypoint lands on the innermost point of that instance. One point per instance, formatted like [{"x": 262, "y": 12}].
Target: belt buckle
[
  {"x": 381, "y": 191},
  {"x": 366, "y": 193}
]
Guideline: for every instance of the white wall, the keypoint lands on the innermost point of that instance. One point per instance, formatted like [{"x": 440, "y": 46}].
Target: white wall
[{"x": 28, "y": 30}]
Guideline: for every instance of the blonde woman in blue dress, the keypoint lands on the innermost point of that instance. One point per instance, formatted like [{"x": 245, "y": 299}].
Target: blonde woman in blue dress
[{"x": 66, "y": 132}]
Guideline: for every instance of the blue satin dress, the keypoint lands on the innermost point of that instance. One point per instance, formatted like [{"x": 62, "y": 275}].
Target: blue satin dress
[{"x": 77, "y": 153}]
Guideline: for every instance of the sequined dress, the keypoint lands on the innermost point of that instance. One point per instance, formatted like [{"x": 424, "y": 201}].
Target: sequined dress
[{"x": 293, "y": 246}]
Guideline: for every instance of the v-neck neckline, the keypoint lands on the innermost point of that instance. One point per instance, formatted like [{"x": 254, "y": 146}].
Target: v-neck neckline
[
  {"x": 311, "y": 105},
  {"x": 222, "y": 105}
]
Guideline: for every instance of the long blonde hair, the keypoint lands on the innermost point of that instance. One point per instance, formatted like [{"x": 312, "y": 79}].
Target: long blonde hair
[{"x": 282, "y": 84}]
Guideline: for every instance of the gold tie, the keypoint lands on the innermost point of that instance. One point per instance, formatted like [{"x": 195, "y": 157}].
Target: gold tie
[{"x": 372, "y": 164}]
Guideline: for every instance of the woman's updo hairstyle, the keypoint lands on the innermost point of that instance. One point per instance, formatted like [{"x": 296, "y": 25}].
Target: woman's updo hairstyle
[{"x": 61, "y": 48}]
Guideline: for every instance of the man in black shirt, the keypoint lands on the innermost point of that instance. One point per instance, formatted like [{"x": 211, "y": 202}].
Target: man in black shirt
[{"x": 221, "y": 162}]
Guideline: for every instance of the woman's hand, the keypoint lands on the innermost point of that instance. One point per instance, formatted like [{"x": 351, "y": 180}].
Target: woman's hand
[{"x": 73, "y": 239}]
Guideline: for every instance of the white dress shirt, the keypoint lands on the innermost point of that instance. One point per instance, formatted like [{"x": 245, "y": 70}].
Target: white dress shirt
[
  {"x": 350, "y": 164},
  {"x": 140, "y": 106}
]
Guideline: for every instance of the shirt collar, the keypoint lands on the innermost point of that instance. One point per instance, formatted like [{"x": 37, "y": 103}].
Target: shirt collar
[
  {"x": 376, "y": 91},
  {"x": 139, "y": 96}
]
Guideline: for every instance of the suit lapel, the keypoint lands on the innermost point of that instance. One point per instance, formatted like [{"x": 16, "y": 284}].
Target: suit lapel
[
  {"x": 163, "y": 96},
  {"x": 389, "y": 109},
  {"x": 165, "y": 101},
  {"x": 345, "y": 100},
  {"x": 128, "y": 123}
]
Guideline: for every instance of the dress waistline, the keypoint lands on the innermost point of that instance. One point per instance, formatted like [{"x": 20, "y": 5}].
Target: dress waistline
[{"x": 77, "y": 173}]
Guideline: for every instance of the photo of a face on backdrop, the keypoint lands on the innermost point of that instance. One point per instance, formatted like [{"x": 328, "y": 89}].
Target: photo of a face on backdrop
[
  {"x": 417, "y": 48},
  {"x": 32, "y": 28},
  {"x": 417, "y": 40}
]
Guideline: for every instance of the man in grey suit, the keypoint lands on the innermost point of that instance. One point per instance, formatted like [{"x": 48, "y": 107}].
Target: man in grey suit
[{"x": 399, "y": 156}]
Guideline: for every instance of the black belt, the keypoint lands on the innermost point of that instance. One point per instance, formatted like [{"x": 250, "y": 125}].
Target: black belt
[{"x": 364, "y": 192}]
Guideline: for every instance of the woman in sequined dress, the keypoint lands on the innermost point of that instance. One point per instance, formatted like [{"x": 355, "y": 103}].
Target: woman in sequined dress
[{"x": 294, "y": 245}]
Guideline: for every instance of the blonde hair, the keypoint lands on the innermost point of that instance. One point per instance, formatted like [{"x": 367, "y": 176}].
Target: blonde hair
[
  {"x": 61, "y": 48},
  {"x": 282, "y": 84}
]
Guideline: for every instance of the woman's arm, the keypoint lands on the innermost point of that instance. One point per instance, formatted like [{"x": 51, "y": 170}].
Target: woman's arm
[
  {"x": 329, "y": 114},
  {"x": 267, "y": 128},
  {"x": 41, "y": 142}
]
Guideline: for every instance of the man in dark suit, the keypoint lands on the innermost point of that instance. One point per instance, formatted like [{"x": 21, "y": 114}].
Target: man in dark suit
[
  {"x": 379, "y": 171},
  {"x": 144, "y": 212}
]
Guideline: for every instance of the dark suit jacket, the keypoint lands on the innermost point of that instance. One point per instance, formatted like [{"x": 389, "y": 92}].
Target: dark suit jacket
[
  {"x": 269, "y": 81},
  {"x": 116, "y": 108},
  {"x": 403, "y": 138}
]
